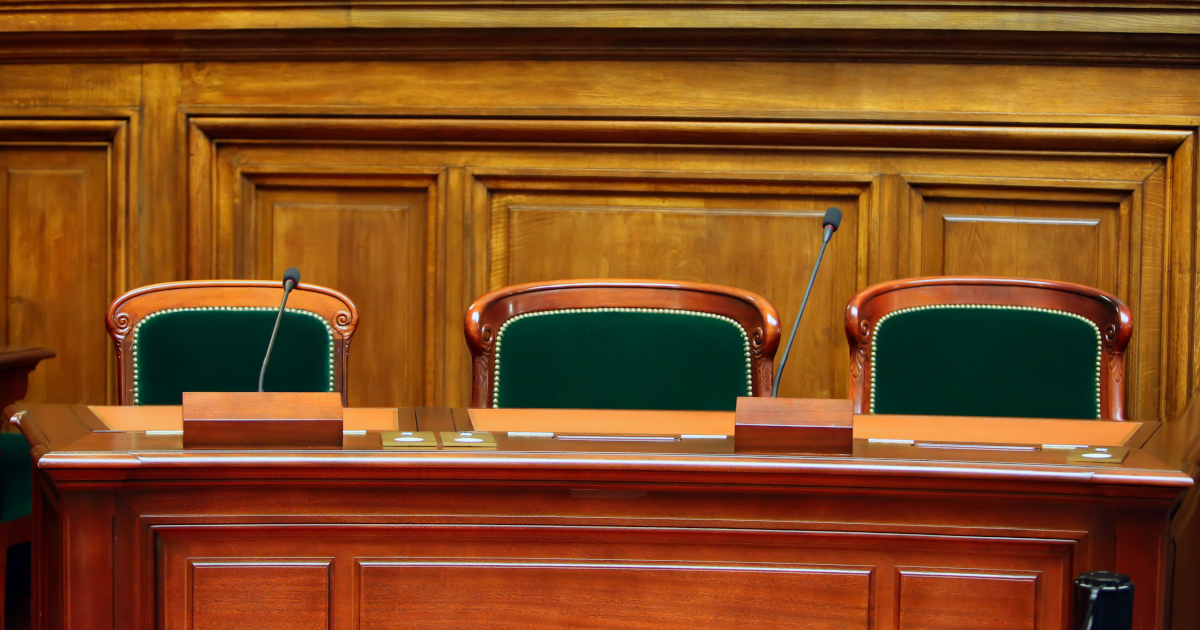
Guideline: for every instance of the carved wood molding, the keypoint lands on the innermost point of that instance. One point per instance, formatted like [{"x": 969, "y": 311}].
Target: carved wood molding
[
  {"x": 884, "y": 136},
  {"x": 1068, "y": 16},
  {"x": 852, "y": 43}
]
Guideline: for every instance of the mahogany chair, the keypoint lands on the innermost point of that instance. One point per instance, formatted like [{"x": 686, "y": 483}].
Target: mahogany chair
[
  {"x": 975, "y": 346},
  {"x": 620, "y": 344},
  {"x": 211, "y": 335}
]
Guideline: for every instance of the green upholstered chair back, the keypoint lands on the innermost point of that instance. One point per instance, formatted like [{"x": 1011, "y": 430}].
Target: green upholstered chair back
[
  {"x": 16, "y": 477},
  {"x": 620, "y": 345},
  {"x": 212, "y": 336},
  {"x": 987, "y": 347}
]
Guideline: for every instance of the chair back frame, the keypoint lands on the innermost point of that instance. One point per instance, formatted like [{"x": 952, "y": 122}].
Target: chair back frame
[
  {"x": 126, "y": 311},
  {"x": 757, "y": 317},
  {"x": 1110, "y": 315}
]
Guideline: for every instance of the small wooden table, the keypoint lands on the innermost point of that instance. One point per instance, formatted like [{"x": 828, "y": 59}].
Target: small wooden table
[{"x": 544, "y": 532}]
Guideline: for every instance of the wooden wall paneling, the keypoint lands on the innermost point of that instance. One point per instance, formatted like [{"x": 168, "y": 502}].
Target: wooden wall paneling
[
  {"x": 1178, "y": 356},
  {"x": 758, "y": 232},
  {"x": 454, "y": 272},
  {"x": 372, "y": 234},
  {"x": 201, "y": 205},
  {"x": 52, "y": 90},
  {"x": 1117, "y": 22},
  {"x": 1110, "y": 234},
  {"x": 59, "y": 222},
  {"x": 65, "y": 220},
  {"x": 948, "y": 94},
  {"x": 160, "y": 254},
  {"x": 954, "y": 164}
]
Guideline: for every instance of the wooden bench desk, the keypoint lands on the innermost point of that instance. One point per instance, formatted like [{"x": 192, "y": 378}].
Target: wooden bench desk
[{"x": 545, "y": 532}]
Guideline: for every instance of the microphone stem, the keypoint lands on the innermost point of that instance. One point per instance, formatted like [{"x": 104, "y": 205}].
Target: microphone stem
[
  {"x": 262, "y": 374},
  {"x": 796, "y": 325}
]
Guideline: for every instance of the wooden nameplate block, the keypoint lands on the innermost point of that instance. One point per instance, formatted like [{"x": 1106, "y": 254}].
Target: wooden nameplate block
[
  {"x": 794, "y": 425},
  {"x": 255, "y": 420}
]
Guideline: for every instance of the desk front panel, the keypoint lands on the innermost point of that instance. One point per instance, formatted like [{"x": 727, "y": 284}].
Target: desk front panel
[
  {"x": 431, "y": 576},
  {"x": 384, "y": 556},
  {"x": 542, "y": 533}
]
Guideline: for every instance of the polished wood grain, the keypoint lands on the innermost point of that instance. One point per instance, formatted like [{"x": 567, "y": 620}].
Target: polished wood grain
[
  {"x": 257, "y": 420},
  {"x": 945, "y": 600},
  {"x": 555, "y": 535},
  {"x": 127, "y": 310},
  {"x": 941, "y": 168},
  {"x": 531, "y": 222},
  {"x": 620, "y": 594},
  {"x": 56, "y": 211},
  {"x": 257, "y": 594},
  {"x": 757, "y": 317},
  {"x": 794, "y": 425},
  {"x": 1111, "y": 317},
  {"x": 350, "y": 232}
]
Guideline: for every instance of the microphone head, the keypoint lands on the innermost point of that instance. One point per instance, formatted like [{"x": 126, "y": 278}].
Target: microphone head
[
  {"x": 292, "y": 274},
  {"x": 833, "y": 218}
]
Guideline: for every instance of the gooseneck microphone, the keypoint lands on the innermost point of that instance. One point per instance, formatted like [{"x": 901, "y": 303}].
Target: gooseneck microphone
[
  {"x": 833, "y": 219},
  {"x": 291, "y": 278}
]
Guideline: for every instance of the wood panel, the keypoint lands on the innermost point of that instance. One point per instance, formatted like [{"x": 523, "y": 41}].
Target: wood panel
[
  {"x": 1012, "y": 162},
  {"x": 258, "y": 595},
  {"x": 1106, "y": 231},
  {"x": 56, "y": 244},
  {"x": 703, "y": 213},
  {"x": 609, "y": 594},
  {"x": 928, "y": 599},
  {"x": 368, "y": 237},
  {"x": 759, "y": 236},
  {"x": 725, "y": 573}
]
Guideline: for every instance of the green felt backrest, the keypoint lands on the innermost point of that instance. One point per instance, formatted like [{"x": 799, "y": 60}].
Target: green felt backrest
[
  {"x": 621, "y": 358},
  {"x": 221, "y": 349},
  {"x": 986, "y": 360},
  {"x": 16, "y": 477}
]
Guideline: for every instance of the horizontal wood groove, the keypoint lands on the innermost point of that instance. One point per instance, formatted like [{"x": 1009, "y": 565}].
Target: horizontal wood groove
[
  {"x": 1070, "y": 17},
  {"x": 1009, "y": 138},
  {"x": 452, "y": 42},
  {"x": 74, "y": 131}
]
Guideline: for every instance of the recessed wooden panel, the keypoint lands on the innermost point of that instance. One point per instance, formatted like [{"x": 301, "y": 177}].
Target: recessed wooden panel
[
  {"x": 370, "y": 245},
  {"x": 976, "y": 246},
  {"x": 58, "y": 278},
  {"x": 260, "y": 595},
  {"x": 761, "y": 243},
  {"x": 956, "y": 599},
  {"x": 562, "y": 594},
  {"x": 747, "y": 218},
  {"x": 998, "y": 237}
]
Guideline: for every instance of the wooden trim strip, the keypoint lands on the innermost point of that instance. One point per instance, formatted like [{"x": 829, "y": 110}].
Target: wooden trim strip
[{"x": 689, "y": 133}]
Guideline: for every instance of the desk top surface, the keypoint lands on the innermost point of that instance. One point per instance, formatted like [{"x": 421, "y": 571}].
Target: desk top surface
[{"x": 73, "y": 442}]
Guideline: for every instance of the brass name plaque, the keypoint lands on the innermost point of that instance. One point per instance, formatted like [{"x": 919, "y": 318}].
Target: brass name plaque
[{"x": 408, "y": 439}]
